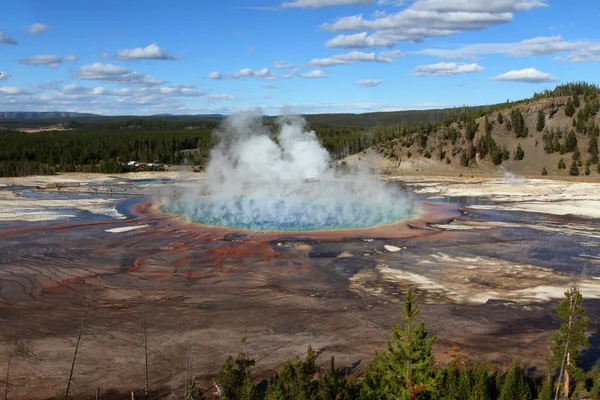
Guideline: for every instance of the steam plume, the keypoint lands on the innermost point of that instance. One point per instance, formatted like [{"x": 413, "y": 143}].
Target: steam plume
[{"x": 284, "y": 180}]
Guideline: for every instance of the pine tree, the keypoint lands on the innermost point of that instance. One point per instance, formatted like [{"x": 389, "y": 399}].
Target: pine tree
[
  {"x": 234, "y": 377},
  {"x": 404, "y": 371},
  {"x": 193, "y": 392},
  {"x": 515, "y": 384},
  {"x": 541, "y": 121},
  {"x": 569, "y": 108},
  {"x": 335, "y": 386},
  {"x": 519, "y": 153},
  {"x": 481, "y": 382},
  {"x": 544, "y": 171},
  {"x": 293, "y": 379},
  {"x": 574, "y": 171},
  {"x": 593, "y": 149},
  {"x": 570, "y": 339},
  {"x": 561, "y": 164},
  {"x": 500, "y": 118},
  {"x": 587, "y": 170}
]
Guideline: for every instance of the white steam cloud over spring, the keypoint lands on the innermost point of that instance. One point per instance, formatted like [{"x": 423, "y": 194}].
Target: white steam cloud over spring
[{"x": 284, "y": 180}]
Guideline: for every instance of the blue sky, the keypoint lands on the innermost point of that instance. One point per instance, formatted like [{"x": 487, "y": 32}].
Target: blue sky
[{"x": 211, "y": 56}]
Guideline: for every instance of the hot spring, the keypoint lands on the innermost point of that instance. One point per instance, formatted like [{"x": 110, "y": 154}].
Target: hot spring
[
  {"x": 276, "y": 176},
  {"x": 317, "y": 208}
]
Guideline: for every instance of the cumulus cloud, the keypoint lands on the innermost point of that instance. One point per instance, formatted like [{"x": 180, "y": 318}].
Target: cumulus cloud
[
  {"x": 47, "y": 60},
  {"x": 424, "y": 19},
  {"x": 369, "y": 82},
  {"x": 115, "y": 74},
  {"x": 446, "y": 69},
  {"x": 529, "y": 75},
  {"x": 282, "y": 65},
  {"x": 5, "y": 39},
  {"x": 12, "y": 91},
  {"x": 578, "y": 51},
  {"x": 150, "y": 52},
  {"x": 317, "y": 73},
  {"x": 324, "y": 3},
  {"x": 219, "y": 97},
  {"x": 36, "y": 28},
  {"x": 356, "y": 57},
  {"x": 4, "y": 75},
  {"x": 263, "y": 73}
]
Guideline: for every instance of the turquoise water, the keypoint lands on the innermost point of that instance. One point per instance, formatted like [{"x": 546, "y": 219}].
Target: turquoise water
[{"x": 296, "y": 214}]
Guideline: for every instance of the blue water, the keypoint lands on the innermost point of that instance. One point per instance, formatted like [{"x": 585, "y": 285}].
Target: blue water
[{"x": 297, "y": 214}]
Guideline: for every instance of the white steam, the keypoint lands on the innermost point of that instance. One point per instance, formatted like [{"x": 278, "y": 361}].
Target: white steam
[{"x": 261, "y": 178}]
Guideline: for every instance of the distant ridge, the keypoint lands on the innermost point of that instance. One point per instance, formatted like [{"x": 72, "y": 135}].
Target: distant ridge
[{"x": 43, "y": 115}]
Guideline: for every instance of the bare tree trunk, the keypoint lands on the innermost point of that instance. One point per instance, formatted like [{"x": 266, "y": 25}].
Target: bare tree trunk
[
  {"x": 87, "y": 306},
  {"x": 145, "y": 357},
  {"x": 567, "y": 376},
  {"x": 7, "y": 376},
  {"x": 564, "y": 359}
]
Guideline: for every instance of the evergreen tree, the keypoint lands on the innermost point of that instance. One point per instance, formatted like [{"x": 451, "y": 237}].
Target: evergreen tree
[
  {"x": 500, "y": 118},
  {"x": 404, "y": 371},
  {"x": 569, "y": 108},
  {"x": 593, "y": 149},
  {"x": 519, "y": 153},
  {"x": 587, "y": 170},
  {"x": 541, "y": 121},
  {"x": 570, "y": 339},
  {"x": 545, "y": 392},
  {"x": 293, "y": 379},
  {"x": 570, "y": 141},
  {"x": 234, "y": 378},
  {"x": 334, "y": 386},
  {"x": 515, "y": 385},
  {"x": 574, "y": 171},
  {"x": 576, "y": 102},
  {"x": 561, "y": 164},
  {"x": 544, "y": 171}
]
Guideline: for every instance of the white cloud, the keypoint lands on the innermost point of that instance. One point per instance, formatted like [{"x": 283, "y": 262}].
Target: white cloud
[
  {"x": 529, "y": 75},
  {"x": 12, "y": 91},
  {"x": 425, "y": 19},
  {"x": 355, "y": 57},
  {"x": 323, "y": 3},
  {"x": 349, "y": 58},
  {"x": 219, "y": 97},
  {"x": 263, "y": 73},
  {"x": 150, "y": 52},
  {"x": 543, "y": 45},
  {"x": 282, "y": 65},
  {"x": 4, "y": 39},
  {"x": 317, "y": 73},
  {"x": 4, "y": 75},
  {"x": 115, "y": 74},
  {"x": 388, "y": 56},
  {"x": 446, "y": 69},
  {"x": 37, "y": 28},
  {"x": 369, "y": 82},
  {"x": 47, "y": 60}
]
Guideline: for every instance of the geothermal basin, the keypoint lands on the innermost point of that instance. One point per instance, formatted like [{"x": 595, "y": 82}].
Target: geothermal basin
[{"x": 489, "y": 259}]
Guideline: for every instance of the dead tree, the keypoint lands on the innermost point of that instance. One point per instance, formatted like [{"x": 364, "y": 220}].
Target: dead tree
[
  {"x": 7, "y": 376},
  {"x": 87, "y": 306}
]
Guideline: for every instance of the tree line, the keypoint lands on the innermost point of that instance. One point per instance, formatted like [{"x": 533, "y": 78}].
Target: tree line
[{"x": 406, "y": 370}]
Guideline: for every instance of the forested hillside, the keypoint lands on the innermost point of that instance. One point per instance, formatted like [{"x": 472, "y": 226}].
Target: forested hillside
[{"x": 552, "y": 133}]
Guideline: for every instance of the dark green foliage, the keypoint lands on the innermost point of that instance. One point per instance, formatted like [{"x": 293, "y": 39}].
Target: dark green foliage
[
  {"x": 234, "y": 379},
  {"x": 587, "y": 170},
  {"x": 470, "y": 129},
  {"x": 570, "y": 142},
  {"x": 561, "y": 164},
  {"x": 574, "y": 171},
  {"x": 518, "y": 123},
  {"x": 569, "y": 108},
  {"x": 404, "y": 371},
  {"x": 500, "y": 119},
  {"x": 541, "y": 121},
  {"x": 576, "y": 102},
  {"x": 544, "y": 171},
  {"x": 293, "y": 379},
  {"x": 519, "y": 153},
  {"x": 593, "y": 149},
  {"x": 336, "y": 386},
  {"x": 464, "y": 160},
  {"x": 587, "y": 90},
  {"x": 427, "y": 154},
  {"x": 192, "y": 391},
  {"x": 515, "y": 385}
]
